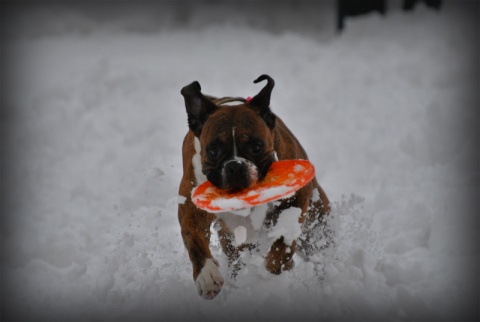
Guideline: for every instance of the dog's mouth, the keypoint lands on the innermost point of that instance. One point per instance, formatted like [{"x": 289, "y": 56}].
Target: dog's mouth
[{"x": 238, "y": 174}]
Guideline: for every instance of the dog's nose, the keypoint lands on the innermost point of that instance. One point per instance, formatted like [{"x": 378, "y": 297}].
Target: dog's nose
[
  {"x": 236, "y": 175},
  {"x": 234, "y": 169}
]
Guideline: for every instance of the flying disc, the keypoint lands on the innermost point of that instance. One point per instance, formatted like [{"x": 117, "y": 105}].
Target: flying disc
[{"x": 282, "y": 180}]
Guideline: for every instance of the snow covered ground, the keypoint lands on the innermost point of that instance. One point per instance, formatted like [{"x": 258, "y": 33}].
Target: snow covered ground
[{"x": 93, "y": 122}]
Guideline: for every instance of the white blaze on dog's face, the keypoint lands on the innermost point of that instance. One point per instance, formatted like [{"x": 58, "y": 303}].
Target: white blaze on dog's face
[{"x": 237, "y": 148}]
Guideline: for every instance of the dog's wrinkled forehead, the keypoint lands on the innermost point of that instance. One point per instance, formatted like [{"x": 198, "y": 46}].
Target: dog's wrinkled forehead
[{"x": 244, "y": 121}]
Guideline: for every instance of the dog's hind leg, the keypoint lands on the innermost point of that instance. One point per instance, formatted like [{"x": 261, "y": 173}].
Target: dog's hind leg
[
  {"x": 313, "y": 225},
  {"x": 280, "y": 256}
]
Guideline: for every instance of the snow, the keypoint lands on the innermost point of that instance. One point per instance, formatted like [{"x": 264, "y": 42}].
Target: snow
[
  {"x": 181, "y": 200},
  {"x": 298, "y": 168},
  {"x": 94, "y": 123},
  {"x": 229, "y": 204},
  {"x": 240, "y": 234},
  {"x": 287, "y": 226},
  {"x": 275, "y": 193},
  {"x": 257, "y": 216}
]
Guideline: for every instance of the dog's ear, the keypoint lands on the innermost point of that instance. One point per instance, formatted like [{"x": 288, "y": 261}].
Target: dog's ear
[
  {"x": 198, "y": 107},
  {"x": 261, "y": 102}
]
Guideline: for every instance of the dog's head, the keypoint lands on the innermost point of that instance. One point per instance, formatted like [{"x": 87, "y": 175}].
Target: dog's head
[{"x": 236, "y": 142}]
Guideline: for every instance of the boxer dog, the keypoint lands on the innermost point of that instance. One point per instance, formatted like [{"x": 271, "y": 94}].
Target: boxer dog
[{"x": 233, "y": 147}]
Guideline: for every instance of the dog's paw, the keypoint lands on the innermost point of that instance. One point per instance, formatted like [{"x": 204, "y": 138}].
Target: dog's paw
[{"x": 209, "y": 282}]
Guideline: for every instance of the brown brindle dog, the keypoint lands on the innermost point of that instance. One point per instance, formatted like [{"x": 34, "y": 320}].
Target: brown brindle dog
[{"x": 233, "y": 147}]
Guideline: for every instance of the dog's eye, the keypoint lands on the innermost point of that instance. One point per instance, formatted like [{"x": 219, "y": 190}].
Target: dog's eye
[
  {"x": 213, "y": 152},
  {"x": 256, "y": 148}
]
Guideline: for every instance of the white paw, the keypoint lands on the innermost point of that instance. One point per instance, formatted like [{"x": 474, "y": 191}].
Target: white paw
[{"x": 209, "y": 282}]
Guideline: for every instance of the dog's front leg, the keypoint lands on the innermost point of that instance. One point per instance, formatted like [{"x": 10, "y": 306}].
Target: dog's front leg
[{"x": 195, "y": 227}]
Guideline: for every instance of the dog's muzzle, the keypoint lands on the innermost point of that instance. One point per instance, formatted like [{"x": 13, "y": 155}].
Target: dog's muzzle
[{"x": 239, "y": 174}]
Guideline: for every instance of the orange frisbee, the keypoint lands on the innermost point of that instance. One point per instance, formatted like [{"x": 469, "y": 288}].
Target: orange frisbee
[{"x": 282, "y": 180}]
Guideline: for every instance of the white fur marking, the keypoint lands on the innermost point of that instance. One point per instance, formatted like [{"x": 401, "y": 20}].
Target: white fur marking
[
  {"x": 197, "y": 163},
  {"x": 275, "y": 156},
  {"x": 209, "y": 282},
  {"x": 234, "y": 143},
  {"x": 252, "y": 168}
]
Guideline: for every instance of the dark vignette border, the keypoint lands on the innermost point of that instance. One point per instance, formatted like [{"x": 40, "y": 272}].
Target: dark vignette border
[{"x": 12, "y": 11}]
